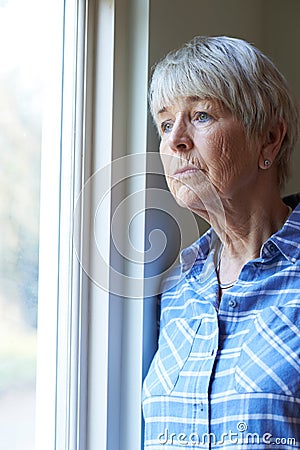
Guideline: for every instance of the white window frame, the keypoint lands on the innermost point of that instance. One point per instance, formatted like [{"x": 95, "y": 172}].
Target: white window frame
[{"x": 93, "y": 346}]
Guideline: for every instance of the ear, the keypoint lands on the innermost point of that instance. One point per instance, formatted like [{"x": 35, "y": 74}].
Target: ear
[{"x": 272, "y": 145}]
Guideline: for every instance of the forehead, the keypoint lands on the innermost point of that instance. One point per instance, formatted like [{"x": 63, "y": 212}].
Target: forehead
[
  {"x": 181, "y": 102},
  {"x": 188, "y": 103}
]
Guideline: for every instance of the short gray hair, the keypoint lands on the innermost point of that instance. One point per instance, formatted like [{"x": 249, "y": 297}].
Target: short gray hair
[{"x": 239, "y": 75}]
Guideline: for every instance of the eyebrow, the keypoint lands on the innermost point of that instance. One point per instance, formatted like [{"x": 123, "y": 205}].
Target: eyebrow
[
  {"x": 192, "y": 99},
  {"x": 195, "y": 98},
  {"x": 161, "y": 110}
]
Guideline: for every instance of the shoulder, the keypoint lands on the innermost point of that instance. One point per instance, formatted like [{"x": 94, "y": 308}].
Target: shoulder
[
  {"x": 195, "y": 253},
  {"x": 287, "y": 239}
]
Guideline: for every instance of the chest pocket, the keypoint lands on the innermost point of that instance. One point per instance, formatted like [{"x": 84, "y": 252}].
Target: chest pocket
[
  {"x": 175, "y": 344},
  {"x": 270, "y": 358}
]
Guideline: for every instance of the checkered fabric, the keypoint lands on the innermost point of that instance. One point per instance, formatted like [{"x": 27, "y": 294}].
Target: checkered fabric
[{"x": 227, "y": 375}]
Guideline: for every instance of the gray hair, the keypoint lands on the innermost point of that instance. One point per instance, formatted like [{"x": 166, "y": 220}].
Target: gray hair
[{"x": 239, "y": 75}]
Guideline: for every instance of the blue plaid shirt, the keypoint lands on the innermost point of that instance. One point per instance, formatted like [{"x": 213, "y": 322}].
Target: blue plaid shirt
[{"x": 227, "y": 375}]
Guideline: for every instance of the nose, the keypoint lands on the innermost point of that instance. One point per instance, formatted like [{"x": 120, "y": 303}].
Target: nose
[{"x": 180, "y": 139}]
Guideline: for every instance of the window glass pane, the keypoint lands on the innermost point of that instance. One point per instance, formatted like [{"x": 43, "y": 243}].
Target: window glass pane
[{"x": 20, "y": 145}]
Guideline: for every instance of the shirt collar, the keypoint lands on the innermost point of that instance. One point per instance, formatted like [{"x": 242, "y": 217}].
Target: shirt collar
[
  {"x": 287, "y": 239},
  {"x": 198, "y": 251}
]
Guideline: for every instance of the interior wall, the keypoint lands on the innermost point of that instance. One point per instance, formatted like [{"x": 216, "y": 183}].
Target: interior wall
[
  {"x": 271, "y": 25},
  {"x": 281, "y": 37},
  {"x": 173, "y": 22}
]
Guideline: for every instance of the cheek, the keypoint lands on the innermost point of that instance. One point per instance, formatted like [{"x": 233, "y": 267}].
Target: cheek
[
  {"x": 170, "y": 164},
  {"x": 166, "y": 158},
  {"x": 226, "y": 158},
  {"x": 170, "y": 161},
  {"x": 236, "y": 166}
]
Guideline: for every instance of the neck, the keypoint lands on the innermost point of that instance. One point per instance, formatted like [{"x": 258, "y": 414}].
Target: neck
[
  {"x": 242, "y": 228},
  {"x": 244, "y": 232}
]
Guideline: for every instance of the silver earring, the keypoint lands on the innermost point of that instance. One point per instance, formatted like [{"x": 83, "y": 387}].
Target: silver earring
[{"x": 267, "y": 162}]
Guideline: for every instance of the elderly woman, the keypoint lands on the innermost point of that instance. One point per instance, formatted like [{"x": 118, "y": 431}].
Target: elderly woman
[{"x": 227, "y": 370}]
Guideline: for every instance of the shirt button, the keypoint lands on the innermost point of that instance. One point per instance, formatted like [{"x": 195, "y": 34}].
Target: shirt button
[
  {"x": 232, "y": 303},
  {"x": 271, "y": 247}
]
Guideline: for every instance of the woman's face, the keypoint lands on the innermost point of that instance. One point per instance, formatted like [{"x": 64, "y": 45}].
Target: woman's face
[{"x": 206, "y": 155}]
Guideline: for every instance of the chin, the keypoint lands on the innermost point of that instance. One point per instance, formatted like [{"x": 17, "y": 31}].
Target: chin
[{"x": 186, "y": 198}]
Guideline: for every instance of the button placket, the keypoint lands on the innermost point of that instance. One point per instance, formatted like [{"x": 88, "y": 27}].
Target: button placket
[{"x": 202, "y": 409}]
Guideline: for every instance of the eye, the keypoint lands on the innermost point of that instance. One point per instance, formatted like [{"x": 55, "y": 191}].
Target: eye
[
  {"x": 201, "y": 116},
  {"x": 166, "y": 126}
]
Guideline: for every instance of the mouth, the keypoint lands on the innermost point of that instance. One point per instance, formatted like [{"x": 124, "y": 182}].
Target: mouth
[{"x": 185, "y": 171}]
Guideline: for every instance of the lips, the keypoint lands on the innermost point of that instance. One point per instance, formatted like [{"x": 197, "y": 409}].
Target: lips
[{"x": 185, "y": 171}]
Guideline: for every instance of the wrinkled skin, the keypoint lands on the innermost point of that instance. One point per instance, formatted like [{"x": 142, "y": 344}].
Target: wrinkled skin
[
  {"x": 205, "y": 153},
  {"x": 214, "y": 169}
]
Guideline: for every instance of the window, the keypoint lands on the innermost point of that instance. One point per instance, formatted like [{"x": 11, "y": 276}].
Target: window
[
  {"x": 20, "y": 148},
  {"x": 88, "y": 384},
  {"x": 75, "y": 89}
]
